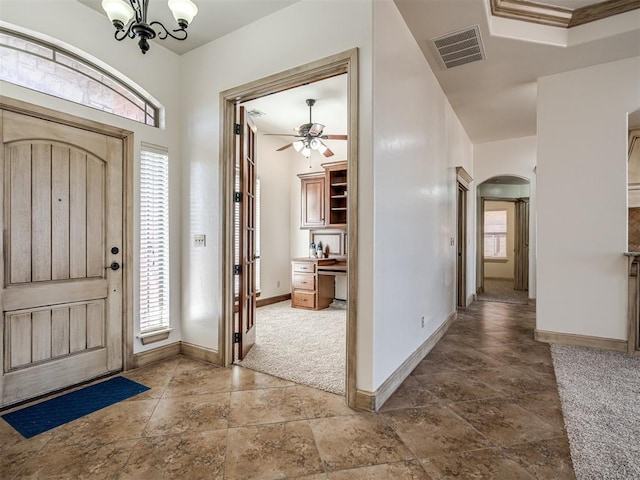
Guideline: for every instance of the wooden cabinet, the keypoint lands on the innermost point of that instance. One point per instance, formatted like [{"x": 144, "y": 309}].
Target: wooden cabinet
[
  {"x": 309, "y": 288},
  {"x": 336, "y": 194},
  {"x": 323, "y": 195},
  {"x": 312, "y": 200}
]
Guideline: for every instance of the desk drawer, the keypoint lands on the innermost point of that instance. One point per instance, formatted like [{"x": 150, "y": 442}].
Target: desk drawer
[
  {"x": 304, "y": 281},
  {"x": 304, "y": 267},
  {"x": 303, "y": 300}
]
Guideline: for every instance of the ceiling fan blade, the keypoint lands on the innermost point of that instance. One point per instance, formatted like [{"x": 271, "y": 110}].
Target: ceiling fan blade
[
  {"x": 328, "y": 153},
  {"x": 334, "y": 137},
  {"x": 288, "y": 145}
]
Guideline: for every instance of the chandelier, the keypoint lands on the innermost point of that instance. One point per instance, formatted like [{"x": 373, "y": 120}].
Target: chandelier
[{"x": 121, "y": 13}]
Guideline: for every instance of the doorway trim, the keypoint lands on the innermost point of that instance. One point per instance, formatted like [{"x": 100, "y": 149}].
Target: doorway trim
[
  {"x": 43, "y": 113},
  {"x": 341, "y": 63},
  {"x": 463, "y": 181},
  {"x": 480, "y": 288}
]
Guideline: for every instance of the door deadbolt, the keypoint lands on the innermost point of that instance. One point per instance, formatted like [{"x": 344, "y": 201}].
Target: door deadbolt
[{"x": 115, "y": 250}]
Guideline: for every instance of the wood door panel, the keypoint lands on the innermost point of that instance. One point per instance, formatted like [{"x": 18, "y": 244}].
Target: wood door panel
[
  {"x": 49, "y": 293},
  {"x": 60, "y": 212},
  {"x": 95, "y": 218},
  {"x": 41, "y": 343},
  {"x": 19, "y": 216},
  {"x": 29, "y": 383},
  {"x": 41, "y": 215},
  {"x": 34, "y": 336},
  {"x": 78, "y": 214}
]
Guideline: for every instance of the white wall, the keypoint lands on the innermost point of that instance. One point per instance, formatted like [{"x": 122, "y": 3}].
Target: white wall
[
  {"x": 273, "y": 44},
  {"x": 516, "y": 156},
  {"x": 582, "y": 198},
  {"x": 417, "y": 143},
  {"x": 503, "y": 269},
  {"x": 274, "y": 171},
  {"x": 158, "y": 72}
]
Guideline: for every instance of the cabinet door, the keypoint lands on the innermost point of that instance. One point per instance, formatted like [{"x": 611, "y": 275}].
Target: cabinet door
[{"x": 313, "y": 202}]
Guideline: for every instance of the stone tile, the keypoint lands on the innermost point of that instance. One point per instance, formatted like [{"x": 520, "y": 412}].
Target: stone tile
[
  {"x": 155, "y": 376},
  {"x": 504, "y": 422},
  {"x": 456, "y": 387},
  {"x": 512, "y": 381},
  {"x": 389, "y": 471},
  {"x": 520, "y": 354},
  {"x": 546, "y": 459},
  {"x": 199, "y": 379},
  {"x": 272, "y": 405},
  {"x": 357, "y": 441},
  {"x": 480, "y": 464},
  {"x": 431, "y": 365},
  {"x": 95, "y": 460},
  {"x": 247, "y": 379},
  {"x": 545, "y": 405},
  {"x": 319, "y": 404},
  {"x": 410, "y": 394},
  {"x": 16, "y": 449},
  {"x": 267, "y": 452},
  {"x": 189, "y": 414},
  {"x": 196, "y": 456},
  {"x": 433, "y": 431},
  {"x": 122, "y": 421}
]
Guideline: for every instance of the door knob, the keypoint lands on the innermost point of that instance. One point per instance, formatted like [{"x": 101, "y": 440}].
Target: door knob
[{"x": 114, "y": 266}]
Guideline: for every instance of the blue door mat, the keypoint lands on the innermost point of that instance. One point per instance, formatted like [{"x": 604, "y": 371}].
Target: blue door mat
[{"x": 35, "y": 419}]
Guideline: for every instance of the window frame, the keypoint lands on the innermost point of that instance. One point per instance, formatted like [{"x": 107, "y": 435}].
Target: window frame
[
  {"x": 494, "y": 258},
  {"x": 150, "y": 109},
  {"x": 160, "y": 331}
]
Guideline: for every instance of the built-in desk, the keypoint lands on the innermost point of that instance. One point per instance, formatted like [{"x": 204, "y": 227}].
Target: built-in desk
[{"x": 313, "y": 282}]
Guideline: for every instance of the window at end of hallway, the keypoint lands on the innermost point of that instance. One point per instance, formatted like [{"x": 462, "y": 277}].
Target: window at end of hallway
[
  {"x": 495, "y": 235},
  {"x": 154, "y": 240}
]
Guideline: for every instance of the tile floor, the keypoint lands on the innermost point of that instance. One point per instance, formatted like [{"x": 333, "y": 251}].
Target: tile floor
[{"x": 482, "y": 404}]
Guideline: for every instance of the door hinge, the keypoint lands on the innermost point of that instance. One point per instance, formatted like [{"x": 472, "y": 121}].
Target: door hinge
[
  {"x": 236, "y": 337},
  {"x": 237, "y": 197},
  {"x": 237, "y": 129},
  {"x": 237, "y": 269}
]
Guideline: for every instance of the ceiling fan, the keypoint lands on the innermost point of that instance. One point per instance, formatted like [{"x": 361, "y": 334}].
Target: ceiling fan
[{"x": 310, "y": 137}]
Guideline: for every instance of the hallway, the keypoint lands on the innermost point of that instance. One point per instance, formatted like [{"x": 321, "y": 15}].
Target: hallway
[{"x": 482, "y": 404}]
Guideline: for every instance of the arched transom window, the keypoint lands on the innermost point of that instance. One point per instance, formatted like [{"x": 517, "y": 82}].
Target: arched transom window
[{"x": 40, "y": 66}]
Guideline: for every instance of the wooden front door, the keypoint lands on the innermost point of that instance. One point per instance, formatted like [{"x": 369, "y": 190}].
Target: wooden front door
[
  {"x": 61, "y": 304},
  {"x": 246, "y": 170}
]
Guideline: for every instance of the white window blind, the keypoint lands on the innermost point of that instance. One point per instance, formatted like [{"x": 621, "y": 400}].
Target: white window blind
[
  {"x": 495, "y": 234},
  {"x": 154, "y": 239}
]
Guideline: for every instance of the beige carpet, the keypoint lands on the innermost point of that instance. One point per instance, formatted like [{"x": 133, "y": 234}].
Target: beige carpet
[
  {"x": 600, "y": 393},
  {"x": 304, "y": 346}
]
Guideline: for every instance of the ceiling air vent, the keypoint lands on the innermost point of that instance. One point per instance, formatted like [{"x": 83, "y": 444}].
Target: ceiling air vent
[{"x": 460, "y": 47}]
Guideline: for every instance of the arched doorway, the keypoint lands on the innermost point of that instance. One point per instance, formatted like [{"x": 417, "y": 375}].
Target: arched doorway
[{"x": 503, "y": 239}]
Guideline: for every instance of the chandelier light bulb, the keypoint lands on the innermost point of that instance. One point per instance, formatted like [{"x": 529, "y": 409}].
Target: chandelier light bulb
[
  {"x": 118, "y": 11},
  {"x": 298, "y": 144},
  {"x": 306, "y": 152},
  {"x": 183, "y": 11}
]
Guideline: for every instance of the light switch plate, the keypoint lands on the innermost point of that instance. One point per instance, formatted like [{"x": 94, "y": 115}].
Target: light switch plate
[{"x": 200, "y": 240}]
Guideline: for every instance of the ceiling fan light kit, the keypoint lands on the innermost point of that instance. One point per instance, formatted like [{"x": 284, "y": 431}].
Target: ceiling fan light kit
[{"x": 130, "y": 20}]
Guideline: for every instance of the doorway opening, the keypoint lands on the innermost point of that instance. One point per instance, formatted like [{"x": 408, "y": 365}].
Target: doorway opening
[
  {"x": 237, "y": 328},
  {"x": 300, "y": 294},
  {"x": 503, "y": 240}
]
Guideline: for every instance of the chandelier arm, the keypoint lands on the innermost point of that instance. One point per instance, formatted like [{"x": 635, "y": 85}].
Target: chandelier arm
[
  {"x": 164, "y": 32},
  {"x": 122, "y": 34}
]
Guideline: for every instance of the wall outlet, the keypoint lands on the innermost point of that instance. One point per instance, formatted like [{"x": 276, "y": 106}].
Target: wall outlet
[
  {"x": 422, "y": 322},
  {"x": 200, "y": 240}
]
